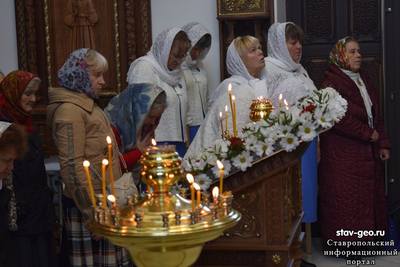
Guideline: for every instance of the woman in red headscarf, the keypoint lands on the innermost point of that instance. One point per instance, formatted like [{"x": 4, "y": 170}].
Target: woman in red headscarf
[{"x": 31, "y": 241}]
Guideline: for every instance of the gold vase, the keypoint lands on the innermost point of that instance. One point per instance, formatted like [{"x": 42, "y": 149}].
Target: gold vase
[
  {"x": 260, "y": 109},
  {"x": 163, "y": 229}
]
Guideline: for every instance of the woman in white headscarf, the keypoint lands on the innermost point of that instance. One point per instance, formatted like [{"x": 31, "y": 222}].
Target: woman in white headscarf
[
  {"x": 245, "y": 61},
  {"x": 196, "y": 76},
  {"x": 162, "y": 67},
  {"x": 287, "y": 76},
  {"x": 241, "y": 68}
]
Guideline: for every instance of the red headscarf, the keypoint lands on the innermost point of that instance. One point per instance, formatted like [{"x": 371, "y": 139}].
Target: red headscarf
[{"x": 11, "y": 90}]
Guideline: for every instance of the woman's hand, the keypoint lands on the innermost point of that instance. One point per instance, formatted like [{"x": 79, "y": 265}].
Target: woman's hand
[
  {"x": 374, "y": 137},
  {"x": 143, "y": 144},
  {"x": 384, "y": 154}
]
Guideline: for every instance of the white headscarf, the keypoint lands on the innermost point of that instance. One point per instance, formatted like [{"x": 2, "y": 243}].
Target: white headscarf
[
  {"x": 195, "y": 32},
  {"x": 278, "y": 53},
  {"x": 158, "y": 56},
  {"x": 3, "y": 126},
  {"x": 240, "y": 75}
]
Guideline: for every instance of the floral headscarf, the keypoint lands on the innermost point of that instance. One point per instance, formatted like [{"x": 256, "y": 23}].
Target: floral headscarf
[
  {"x": 12, "y": 88},
  {"x": 74, "y": 75},
  {"x": 128, "y": 111},
  {"x": 338, "y": 55},
  {"x": 278, "y": 53},
  {"x": 195, "y": 32},
  {"x": 158, "y": 56}
]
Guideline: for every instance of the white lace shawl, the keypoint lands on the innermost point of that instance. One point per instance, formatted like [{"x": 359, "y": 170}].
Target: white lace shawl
[
  {"x": 240, "y": 75},
  {"x": 195, "y": 32},
  {"x": 278, "y": 53},
  {"x": 210, "y": 129},
  {"x": 290, "y": 88},
  {"x": 157, "y": 58}
]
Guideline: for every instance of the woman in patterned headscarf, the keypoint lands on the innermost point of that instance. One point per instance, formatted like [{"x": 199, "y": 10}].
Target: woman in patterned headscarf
[
  {"x": 351, "y": 180},
  {"x": 162, "y": 67},
  {"x": 13, "y": 145},
  {"x": 196, "y": 76},
  {"x": 134, "y": 115},
  {"x": 32, "y": 238},
  {"x": 80, "y": 129}
]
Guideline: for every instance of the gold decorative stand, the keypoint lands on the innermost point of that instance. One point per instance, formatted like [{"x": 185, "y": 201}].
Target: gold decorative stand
[{"x": 163, "y": 229}]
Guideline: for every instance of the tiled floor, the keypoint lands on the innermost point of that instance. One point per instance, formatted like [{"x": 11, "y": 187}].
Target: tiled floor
[{"x": 319, "y": 260}]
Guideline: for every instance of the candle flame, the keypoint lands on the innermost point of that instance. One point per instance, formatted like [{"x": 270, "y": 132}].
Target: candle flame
[
  {"x": 280, "y": 96},
  {"x": 286, "y": 103},
  {"x": 262, "y": 114},
  {"x": 220, "y": 114},
  {"x": 105, "y": 162},
  {"x": 215, "y": 192},
  {"x": 196, "y": 186},
  {"x": 153, "y": 142},
  {"x": 190, "y": 178},
  {"x": 86, "y": 163},
  {"x": 230, "y": 87},
  {"x": 111, "y": 198},
  {"x": 261, "y": 97},
  {"x": 108, "y": 140},
  {"x": 220, "y": 165},
  {"x": 226, "y": 108},
  {"x": 233, "y": 98}
]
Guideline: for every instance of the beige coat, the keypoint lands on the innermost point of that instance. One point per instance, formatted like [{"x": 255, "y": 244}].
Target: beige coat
[{"x": 90, "y": 130}]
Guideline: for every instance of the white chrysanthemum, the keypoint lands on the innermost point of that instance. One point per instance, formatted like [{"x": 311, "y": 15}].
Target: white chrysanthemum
[
  {"x": 175, "y": 189},
  {"x": 227, "y": 168},
  {"x": 271, "y": 132},
  {"x": 323, "y": 120},
  {"x": 198, "y": 164},
  {"x": 289, "y": 142},
  {"x": 283, "y": 130},
  {"x": 203, "y": 181},
  {"x": 250, "y": 142},
  {"x": 294, "y": 112},
  {"x": 220, "y": 147},
  {"x": 306, "y": 116},
  {"x": 307, "y": 131},
  {"x": 211, "y": 158},
  {"x": 243, "y": 161},
  {"x": 264, "y": 148},
  {"x": 186, "y": 166}
]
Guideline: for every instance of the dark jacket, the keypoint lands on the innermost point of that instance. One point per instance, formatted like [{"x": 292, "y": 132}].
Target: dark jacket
[
  {"x": 5, "y": 195},
  {"x": 351, "y": 182},
  {"x": 35, "y": 209}
]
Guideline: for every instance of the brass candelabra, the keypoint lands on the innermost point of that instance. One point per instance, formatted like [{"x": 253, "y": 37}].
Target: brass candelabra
[{"x": 164, "y": 229}]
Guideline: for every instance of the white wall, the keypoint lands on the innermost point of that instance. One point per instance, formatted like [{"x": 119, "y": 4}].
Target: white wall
[
  {"x": 8, "y": 38},
  {"x": 176, "y": 13}
]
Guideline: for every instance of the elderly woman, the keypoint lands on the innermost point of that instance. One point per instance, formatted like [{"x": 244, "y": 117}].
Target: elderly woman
[
  {"x": 80, "y": 129},
  {"x": 351, "y": 181},
  {"x": 196, "y": 76},
  {"x": 32, "y": 241},
  {"x": 134, "y": 115},
  {"x": 162, "y": 67},
  {"x": 245, "y": 61},
  {"x": 13, "y": 145}
]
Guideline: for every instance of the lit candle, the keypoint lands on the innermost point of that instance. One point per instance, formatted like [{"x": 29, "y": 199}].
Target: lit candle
[
  {"x": 286, "y": 104},
  {"x": 226, "y": 117},
  {"x": 110, "y": 162},
  {"x": 280, "y": 100},
  {"x": 230, "y": 95},
  {"x": 154, "y": 147},
  {"x": 103, "y": 173},
  {"x": 198, "y": 191},
  {"x": 190, "y": 179},
  {"x": 221, "y": 175},
  {"x": 220, "y": 119},
  {"x": 234, "y": 116},
  {"x": 215, "y": 194},
  {"x": 86, "y": 164},
  {"x": 112, "y": 199}
]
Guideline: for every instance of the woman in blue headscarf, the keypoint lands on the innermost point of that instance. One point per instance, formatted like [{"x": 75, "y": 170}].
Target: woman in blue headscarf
[{"x": 134, "y": 115}]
